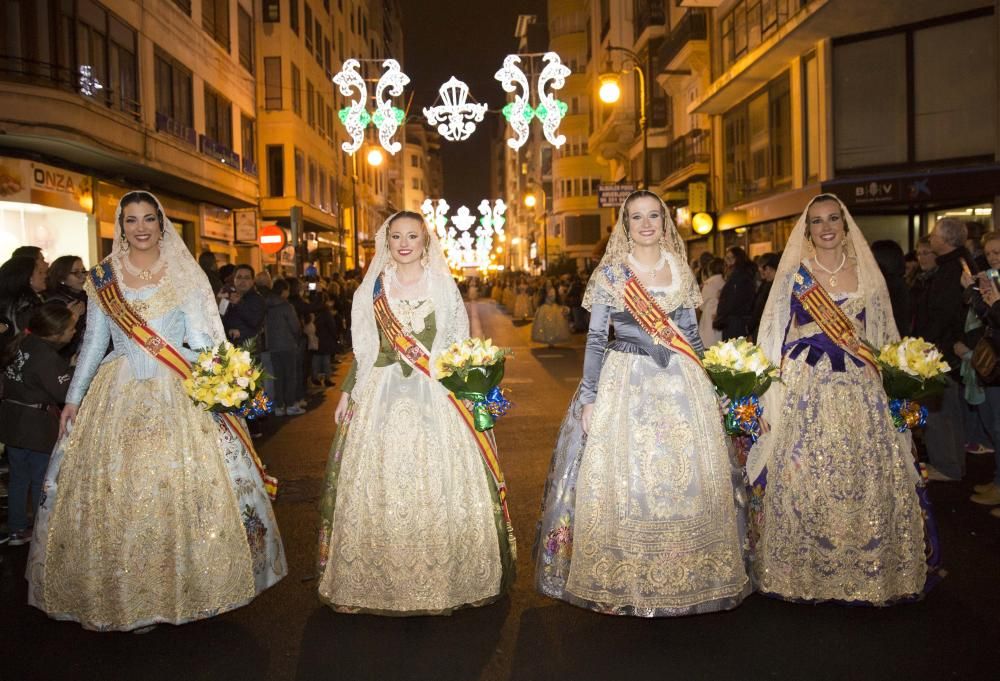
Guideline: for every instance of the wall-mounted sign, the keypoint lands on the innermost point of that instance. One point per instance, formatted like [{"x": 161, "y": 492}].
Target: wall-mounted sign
[
  {"x": 246, "y": 224},
  {"x": 613, "y": 195},
  {"x": 28, "y": 182},
  {"x": 216, "y": 222}
]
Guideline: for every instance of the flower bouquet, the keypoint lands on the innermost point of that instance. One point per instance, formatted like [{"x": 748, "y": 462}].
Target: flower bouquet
[
  {"x": 741, "y": 372},
  {"x": 228, "y": 379},
  {"x": 472, "y": 369},
  {"x": 912, "y": 369}
]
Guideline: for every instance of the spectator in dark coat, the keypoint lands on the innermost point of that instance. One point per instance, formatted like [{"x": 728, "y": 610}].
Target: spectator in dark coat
[
  {"x": 889, "y": 256},
  {"x": 22, "y": 281},
  {"x": 768, "y": 266},
  {"x": 283, "y": 331},
  {"x": 211, "y": 269},
  {"x": 64, "y": 283},
  {"x": 326, "y": 334},
  {"x": 941, "y": 321},
  {"x": 35, "y": 381},
  {"x": 244, "y": 317},
  {"x": 736, "y": 299}
]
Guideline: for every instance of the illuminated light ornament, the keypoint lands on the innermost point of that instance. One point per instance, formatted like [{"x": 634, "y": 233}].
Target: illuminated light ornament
[
  {"x": 436, "y": 217},
  {"x": 550, "y": 111},
  {"x": 355, "y": 117},
  {"x": 89, "y": 85},
  {"x": 456, "y": 116},
  {"x": 465, "y": 243}
]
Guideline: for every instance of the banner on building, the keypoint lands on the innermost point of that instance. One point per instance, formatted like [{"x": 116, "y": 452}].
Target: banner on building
[
  {"x": 613, "y": 195},
  {"x": 29, "y": 182}
]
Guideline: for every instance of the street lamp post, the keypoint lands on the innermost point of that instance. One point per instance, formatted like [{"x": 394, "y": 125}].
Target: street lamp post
[{"x": 531, "y": 201}]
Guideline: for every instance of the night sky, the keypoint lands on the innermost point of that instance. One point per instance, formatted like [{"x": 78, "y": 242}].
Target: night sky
[{"x": 467, "y": 39}]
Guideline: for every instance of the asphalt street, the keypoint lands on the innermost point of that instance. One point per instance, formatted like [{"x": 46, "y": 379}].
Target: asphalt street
[{"x": 954, "y": 633}]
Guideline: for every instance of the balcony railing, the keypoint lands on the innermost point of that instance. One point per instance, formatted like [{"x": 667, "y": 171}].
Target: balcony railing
[
  {"x": 218, "y": 151},
  {"x": 694, "y": 26},
  {"x": 249, "y": 166},
  {"x": 34, "y": 72},
  {"x": 171, "y": 126},
  {"x": 648, "y": 13},
  {"x": 688, "y": 149}
]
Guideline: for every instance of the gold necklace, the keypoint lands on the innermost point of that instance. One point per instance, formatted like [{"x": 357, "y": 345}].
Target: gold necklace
[
  {"x": 832, "y": 273},
  {"x": 142, "y": 274}
]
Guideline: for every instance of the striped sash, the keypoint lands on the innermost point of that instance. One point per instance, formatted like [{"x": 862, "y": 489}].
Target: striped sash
[
  {"x": 417, "y": 356},
  {"x": 109, "y": 295},
  {"x": 829, "y": 317},
  {"x": 653, "y": 320}
]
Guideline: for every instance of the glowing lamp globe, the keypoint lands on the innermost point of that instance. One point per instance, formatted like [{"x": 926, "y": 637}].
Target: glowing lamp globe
[
  {"x": 375, "y": 157},
  {"x": 702, "y": 223},
  {"x": 530, "y": 200},
  {"x": 610, "y": 91}
]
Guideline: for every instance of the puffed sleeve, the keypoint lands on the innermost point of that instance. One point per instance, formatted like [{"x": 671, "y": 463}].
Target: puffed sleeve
[
  {"x": 95, "y": 343},
  {"x": 687, "y": 321},
  {"x": 593, "y": 359}
]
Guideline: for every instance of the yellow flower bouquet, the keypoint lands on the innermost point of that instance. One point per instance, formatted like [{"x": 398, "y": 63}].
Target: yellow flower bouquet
[
  {"x": 225, "y": 379},
  {"x": 740, "y": 371},
  {"x": 472, "y": 369},
  {"x": 912, "y": 369}
]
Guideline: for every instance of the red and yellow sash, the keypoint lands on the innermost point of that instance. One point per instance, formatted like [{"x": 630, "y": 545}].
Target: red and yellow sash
[
  {"x": 653, "y": 320},
  {"x": 417, "y": 356},
  {"x": 121, "y": 313},
  {"x": 829, "y": 317}
]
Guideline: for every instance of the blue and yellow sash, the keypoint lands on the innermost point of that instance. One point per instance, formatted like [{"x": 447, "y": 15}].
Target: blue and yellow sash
[
  {"x": 109, "y": 295},
  {"x": 417, "y": 356},
  {"x": 829, "y": 317},
  {"x": 653, "y": 320}
]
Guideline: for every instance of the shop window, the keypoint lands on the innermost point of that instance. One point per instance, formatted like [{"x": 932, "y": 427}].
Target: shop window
[
  {"x": 245, "y": 31},
  {"x": 275, "y": 169},
  {"x": 215, "y": 20},
  {"x": 296, "y": 90},
  {"x": 218, "y": 118}
]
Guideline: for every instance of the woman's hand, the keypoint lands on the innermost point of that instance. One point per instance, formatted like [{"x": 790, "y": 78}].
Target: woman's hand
[
  {"x": 961, "y": 348},
  {"x": 68, "y": 415},
  {"x": 724, "y": 404},
  {"x": 585, "y": 416},
  {"x": 340, "y": 414},
  {"x": 990, "y": 294}
]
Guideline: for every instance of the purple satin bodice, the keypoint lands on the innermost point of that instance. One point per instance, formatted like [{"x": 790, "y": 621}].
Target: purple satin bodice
[{"x": 819, "y": 344}]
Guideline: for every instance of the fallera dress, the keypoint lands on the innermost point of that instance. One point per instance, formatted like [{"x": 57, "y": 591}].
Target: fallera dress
[
  {"x": 646, "y": 515},
  {"x": 410, "y": 520},
  {"x": 836, "y": 514},
  {"x": 550, "y": 326},
  {"x": 152, "y": 512}
]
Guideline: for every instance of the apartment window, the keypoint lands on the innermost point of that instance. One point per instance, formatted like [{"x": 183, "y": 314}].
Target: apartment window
[
  {"x": 322, "y": 191},
  {"x": 271, "y": 11},
  {"x": 215, "y": 20},
  {"x": 293, "y": 16},
  {"x": 320, "y": 119},
  {"x": 248, "y": 137},
  {"x": 605, "y": 17},
  {"x": 174, "y": 93},
  {"x": 312, "y": 182},
  {"x": 340, "y": 42},
  {"x": 308, "y": 21},
  {"x": 245, "y": 31},
  {"x": 810, "y": 116},
  {"x": 218, "y": 118},
  {"x": 275, "y": 157},
  {"x": 296, "y": 90},
  {"x": 310, "y": 104},
  {"x": 327, "y": 57},
  {"x": 751, "y": 22},
  {"x": 329, "y": 120},
  {"x": 300, "y": 175},
  {"x": 108, "y": 46},
  {"x": 757, "y": 143},
  {"x": 415, "y": 183},
  {"x": 319, "y": 41},
  {"x": 272, "y": 83},
  {"x": 185, "y": 6},
  {"x": 414, "y": 162}
]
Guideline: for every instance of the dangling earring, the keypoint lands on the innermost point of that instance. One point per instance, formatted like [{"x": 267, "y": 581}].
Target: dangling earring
[
  {"x": 125, "y": 245},
  {"x": 425, "y": 259}
]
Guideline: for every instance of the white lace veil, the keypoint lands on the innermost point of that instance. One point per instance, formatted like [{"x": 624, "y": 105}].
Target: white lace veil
[
  {"x": 450, "y": 317},
  {"x": 880, "y": 326},
  {"x": 602, "y": 290},
  {"x": 182, "y": 273}
]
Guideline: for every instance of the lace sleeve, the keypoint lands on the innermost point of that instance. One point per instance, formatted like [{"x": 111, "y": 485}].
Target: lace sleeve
[
  {"x": 95, "y": 343},
  {"x": 202, "y": 323}
]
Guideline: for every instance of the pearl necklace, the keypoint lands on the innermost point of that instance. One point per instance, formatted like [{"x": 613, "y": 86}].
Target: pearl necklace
[
  {"x": 656, "y": 267},
  {"x": 142, "y": 274},
  {"x": 832, "y": 273}
]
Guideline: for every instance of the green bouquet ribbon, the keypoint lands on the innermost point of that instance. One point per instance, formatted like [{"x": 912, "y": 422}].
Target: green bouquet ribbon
[{"x": 475, "y": 384}]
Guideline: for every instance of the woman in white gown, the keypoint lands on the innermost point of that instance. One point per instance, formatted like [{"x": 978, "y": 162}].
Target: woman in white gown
[
  {"x": 153, "y": 510},
  {"x": 413, "y": 513},
  {"x": 550, "y": 326},
  {"x": 643, "y": 510}
]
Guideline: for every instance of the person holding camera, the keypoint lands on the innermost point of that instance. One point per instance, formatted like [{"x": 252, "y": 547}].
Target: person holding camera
[{"x": 980, "y": 348}]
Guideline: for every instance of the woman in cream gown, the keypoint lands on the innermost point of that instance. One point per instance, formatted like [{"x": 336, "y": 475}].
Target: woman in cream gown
[
  {"x": 643, "y": 509},
  {"x": 153, "y": 510},
  {"x": 412, "y": 518},
  {"x": 837, "y": 512}
]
